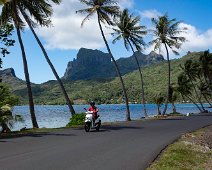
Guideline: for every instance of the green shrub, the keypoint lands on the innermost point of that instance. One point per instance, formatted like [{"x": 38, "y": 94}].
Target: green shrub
[
  {"x": 175, "y": 114},
  {"x": 76, "y": 119}
]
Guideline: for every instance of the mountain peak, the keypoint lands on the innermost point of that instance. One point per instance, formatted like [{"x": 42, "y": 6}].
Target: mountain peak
[
  {"x": 8, "y": 72},
  {"x": 95, "y": 64}
]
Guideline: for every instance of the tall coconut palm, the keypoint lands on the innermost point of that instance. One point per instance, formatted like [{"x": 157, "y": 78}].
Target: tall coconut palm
[
  {"x": 42, "y": 19},
  {"x": 11, "y": 13},
  {"x": 167, "y": 33},
  {"x": 105, "y": 9},
  {"x": 128, "y": 29}
]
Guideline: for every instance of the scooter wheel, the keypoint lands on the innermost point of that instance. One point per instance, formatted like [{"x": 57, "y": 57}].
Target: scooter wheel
[
  {"x": 87, "y": 127},
  {"x": 97, "y": 127}
]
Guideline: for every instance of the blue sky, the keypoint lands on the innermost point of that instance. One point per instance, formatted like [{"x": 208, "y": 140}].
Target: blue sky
[{"x": 63, "y": 40}]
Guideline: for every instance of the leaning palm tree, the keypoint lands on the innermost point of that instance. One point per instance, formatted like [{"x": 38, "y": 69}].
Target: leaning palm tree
[
  {"x": 191, "y": 69},
  {"x": 11, "y": 13},
  {"x": 166, "y": 33},
  {"x": 184, "y": 87},
  {"x": 42, "y": 19},
  {"x": 104, "y": 10},
  {"x": 128, "y": 29}
]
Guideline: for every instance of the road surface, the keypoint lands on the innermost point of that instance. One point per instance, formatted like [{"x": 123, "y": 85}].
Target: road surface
[{"x": 123, "y": 146}]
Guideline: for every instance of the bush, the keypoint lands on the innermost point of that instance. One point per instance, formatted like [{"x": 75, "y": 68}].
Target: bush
[
  {"x": 76, "y": 119},
  {"x": 175, "y": 114}
]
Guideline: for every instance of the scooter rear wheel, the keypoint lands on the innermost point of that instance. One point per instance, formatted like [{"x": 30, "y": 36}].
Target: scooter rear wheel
[
  {"x": 87, "y": 127},
  {"x": 97, "y": 127}
]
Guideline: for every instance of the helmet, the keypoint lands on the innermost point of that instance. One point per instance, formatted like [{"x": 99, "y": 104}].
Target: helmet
[{"x": 92, "y": 103}]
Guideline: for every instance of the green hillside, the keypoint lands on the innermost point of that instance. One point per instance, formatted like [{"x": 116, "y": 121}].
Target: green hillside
[{"x": 109, "y": 91}]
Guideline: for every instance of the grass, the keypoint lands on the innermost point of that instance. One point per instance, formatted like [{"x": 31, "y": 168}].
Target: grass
[{"x": 185, "y": 154}]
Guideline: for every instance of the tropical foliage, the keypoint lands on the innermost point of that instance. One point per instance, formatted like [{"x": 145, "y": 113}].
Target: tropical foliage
[
  {"x": 7, "y": 100},
  {"x": 167, "y": 33},
  {"x": 158, "y": 100},
  {"x": 131, "y": 32},
  {"x": 5, "y": 39},
  {"x": 194, "y": 81},
  {"x": 76, "y": 119}
]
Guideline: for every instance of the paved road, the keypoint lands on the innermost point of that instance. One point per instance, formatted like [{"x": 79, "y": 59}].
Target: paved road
[{"x": 125, "y": 146}]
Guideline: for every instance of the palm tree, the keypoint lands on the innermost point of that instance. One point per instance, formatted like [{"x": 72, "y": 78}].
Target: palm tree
[
  {"x": 131, "y": 32},
  {"x": 42, "y": 19},
  {"x": 172, "y": 98},
  {"x": 191, "y": 70},
  {"x": 11, "y": 13},
  {"x": 166, "y": 33},
  {"x": 184, "y": 87},
  {"x": 104, "y": 10},
  {"x": 7, "y": 100},
  {"x": 158, "y": 100},
  {"x": 206, "y": 66},
  {"x": 205, "y": 91}
]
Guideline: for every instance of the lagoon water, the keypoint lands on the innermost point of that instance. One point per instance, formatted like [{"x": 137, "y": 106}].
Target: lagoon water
[{"x": 51, "y": 116}]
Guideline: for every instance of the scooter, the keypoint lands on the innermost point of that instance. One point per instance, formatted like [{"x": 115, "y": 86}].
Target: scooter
[{"x": 89, "y": 123}]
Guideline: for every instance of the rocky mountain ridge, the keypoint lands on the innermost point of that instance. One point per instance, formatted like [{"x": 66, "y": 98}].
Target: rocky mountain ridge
[{"x": 95, "y": 64}]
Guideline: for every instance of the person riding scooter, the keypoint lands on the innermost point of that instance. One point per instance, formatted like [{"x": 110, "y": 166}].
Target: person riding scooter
[
  {"x": 94, "y": 109},
  {"x": 92, "y": 119}
]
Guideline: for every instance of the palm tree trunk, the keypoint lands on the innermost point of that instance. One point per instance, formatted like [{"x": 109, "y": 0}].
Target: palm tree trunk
[
  {"x": 206, "y": 99},
  {"x": 141, "y": 77},
  {"x": 51, "y": 65},
  {"x": 169, "y": 80},
  {"x": 117, "y": 70},
  {"x": 31, "y": 103},
  {"x": 5, "y": 128},
  {"x": 174, "y": 108},
  {"x": 195, "y": 104},
  {"x": 198, "y": 97},
  {"x": 158, "y": 107}
]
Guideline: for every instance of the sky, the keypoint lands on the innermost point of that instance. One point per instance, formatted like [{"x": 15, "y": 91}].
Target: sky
[{"x": 66, "y": 36}]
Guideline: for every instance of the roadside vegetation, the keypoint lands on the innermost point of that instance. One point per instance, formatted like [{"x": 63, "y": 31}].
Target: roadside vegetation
[
  {"x": 193, "y": 151},
  {"x": 7, "y": 101}
]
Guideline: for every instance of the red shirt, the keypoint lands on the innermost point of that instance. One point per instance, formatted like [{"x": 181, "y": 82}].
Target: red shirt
[{"x": 94, "y": 109}]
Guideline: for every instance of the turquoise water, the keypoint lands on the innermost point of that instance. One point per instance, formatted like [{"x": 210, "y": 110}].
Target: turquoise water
[{"x": 50, "y": 116}]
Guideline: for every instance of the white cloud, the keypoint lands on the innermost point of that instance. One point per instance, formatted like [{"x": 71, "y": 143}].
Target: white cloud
[
  {"x": 67, "y": 33},
  {"x": 152, "y": 13},
  {"x": 126, "y": 3},
  {"x": 195, "y": 41}
]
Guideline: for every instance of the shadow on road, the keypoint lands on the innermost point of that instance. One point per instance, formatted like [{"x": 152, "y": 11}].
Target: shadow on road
[
  {"x": 37, "y": 134},
  {"x": 172, "y": 119},
  {"x": 109, "y": 128}
]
